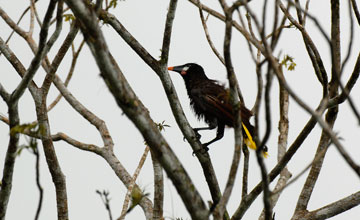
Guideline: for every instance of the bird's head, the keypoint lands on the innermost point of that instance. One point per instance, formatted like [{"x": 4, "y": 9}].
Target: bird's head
[{"x": 189, "y": 70}]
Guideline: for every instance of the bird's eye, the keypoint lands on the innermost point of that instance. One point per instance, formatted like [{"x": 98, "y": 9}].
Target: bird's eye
[{"x": 184, "y": 70}]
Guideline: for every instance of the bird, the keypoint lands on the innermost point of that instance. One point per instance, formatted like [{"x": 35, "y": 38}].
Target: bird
[{"x": 210, "y": 102}]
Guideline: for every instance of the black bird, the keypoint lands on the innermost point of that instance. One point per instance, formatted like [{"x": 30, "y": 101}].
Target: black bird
[{"x": 211, "y": 102}]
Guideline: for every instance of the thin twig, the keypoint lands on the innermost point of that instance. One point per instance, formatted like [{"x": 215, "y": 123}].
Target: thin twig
[
  {"x": 132, "y": 183},
  {"x": 356, "y": 10},
  {"x": 244, "y": 189},
  {"x": 69, "y": 75},
  {"x": 158, "y": 189},
  {"x": 208, "y": 38},
  {"x": 221, "y": 206},
  {"x": 38, "y": 184},
  {"x": 32, "y": 14},
  {"x": 318, "y": 156},
  {"x": 104, "y": 195}
]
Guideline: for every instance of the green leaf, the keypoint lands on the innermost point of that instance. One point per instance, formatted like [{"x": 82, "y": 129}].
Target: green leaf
[
  {"x": 161, "y": 126},
  {"x": 136, "y": 196},
  {"x": 69, "y": 17},
  {"x": 113, "y": 4},
  {"x": 288, "y": 62}
]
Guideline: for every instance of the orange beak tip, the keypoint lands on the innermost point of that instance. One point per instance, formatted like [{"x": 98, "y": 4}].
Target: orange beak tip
[{"x": 170, "y": 68}]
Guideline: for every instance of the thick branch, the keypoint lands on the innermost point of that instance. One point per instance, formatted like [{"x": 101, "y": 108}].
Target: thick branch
[
  {"x": 311, "y": 180},
  {"x": 130, "y": 40},
  {"x": 9, "y": 162},
  {"x": 134, "y": 109},
  {"x": 173, "y": 99},
  {"x": 332, "y": 209}
]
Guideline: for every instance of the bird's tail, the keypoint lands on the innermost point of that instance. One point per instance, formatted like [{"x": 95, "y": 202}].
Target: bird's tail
[{"x": 248, "y": 140}]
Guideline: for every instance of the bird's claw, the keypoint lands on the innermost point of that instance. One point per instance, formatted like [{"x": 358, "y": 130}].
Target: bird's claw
[{"x": 197, "y": 135}]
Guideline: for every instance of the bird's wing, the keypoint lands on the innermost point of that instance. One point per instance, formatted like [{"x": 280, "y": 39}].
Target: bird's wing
[
  {"x": 220, "y": 107},
  {"x": 214, "y": 100},
  {"x": 222, "y": 103}
]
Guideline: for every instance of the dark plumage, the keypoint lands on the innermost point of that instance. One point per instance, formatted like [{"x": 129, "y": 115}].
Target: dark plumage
[{"x": 210, "y": 101}]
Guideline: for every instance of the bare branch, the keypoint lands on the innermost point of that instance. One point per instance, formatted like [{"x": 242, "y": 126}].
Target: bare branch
[
  {"x": 332, "y": 209},
  {"x": 15, "y": 62},
  {"x": 4, "y": 94},
  {"x": 158, "y": 189},
  {"x": 132, "y": 183},
  {"x": 18, "y": 22},
  {"x": 32, "y": 15},
  {"x": 4, "y": 119},
  {"x": 264, "y": 176},
  {"x": 167, "y": 33},
  {"x": 42, "y": 50},
  {"x": 130, "y": 40},
  {"x": 356, "y": 10},
  {"x": 9, "y": 162},
  {"x": 308, "y": 187},
  {"x": 285, "y": 175},
  {"x": 249, "y": 199},
  {"x": 238, "y": 27},
  {"x": 82, "y": 146},
  {"x": 104, "y": 195},
  {"x": 126, "y": 178},
  {"x": 38, "y": 184},
  {"x": 351, "y": 37},
  {"x": 221, "y": 206},
  {"x": 311, "y": 49},
  {"x": 114, "y": 163},
  {"x": 347, "y": 89},
  {"x": 175, "y": 105},
  {"x": 211, "y": 44},
  {"x": 244, "y": 190},
  {"x": 319, "y": 155},
  {"x": 12, "y": 24},
  {"x": 69, "y": 75},
  {"x": 136, "y": 111}
]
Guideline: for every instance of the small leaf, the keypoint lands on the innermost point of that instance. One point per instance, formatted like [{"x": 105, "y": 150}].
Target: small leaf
[
  {"x": 113, "y": 4},
  {"x": 161, "y": 126},
  {"x": 288, "y": 62},
  {"x": 69, "y": 17}
]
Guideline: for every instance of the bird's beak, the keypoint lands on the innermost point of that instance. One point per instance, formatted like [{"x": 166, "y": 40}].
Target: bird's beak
[{"x": 179, "y": 69}]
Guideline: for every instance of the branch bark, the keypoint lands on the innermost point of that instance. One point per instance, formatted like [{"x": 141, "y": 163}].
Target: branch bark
[{"x": 136, "y": 111}]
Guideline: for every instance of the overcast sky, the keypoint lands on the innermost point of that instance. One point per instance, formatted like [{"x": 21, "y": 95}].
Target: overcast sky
[{"x": 86, "y": 172}]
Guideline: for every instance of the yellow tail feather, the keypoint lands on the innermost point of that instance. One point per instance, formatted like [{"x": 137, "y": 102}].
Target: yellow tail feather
[{"x": 250, "y": 142}]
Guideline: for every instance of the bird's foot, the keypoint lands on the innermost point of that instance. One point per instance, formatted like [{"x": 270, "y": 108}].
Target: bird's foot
[{"x": 197, "y": 135}]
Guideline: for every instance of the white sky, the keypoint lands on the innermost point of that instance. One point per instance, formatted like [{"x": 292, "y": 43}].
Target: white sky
[{"x": 86, "y": 172}]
